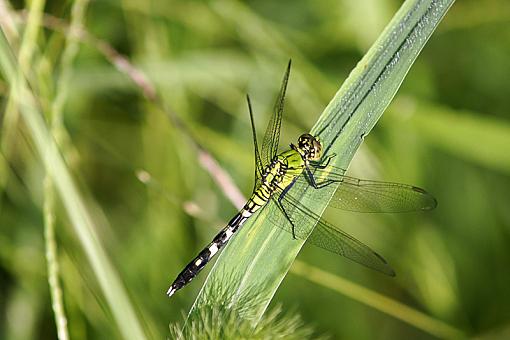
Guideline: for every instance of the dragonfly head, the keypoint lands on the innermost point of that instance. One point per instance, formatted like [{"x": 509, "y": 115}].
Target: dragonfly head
[{"x": 309, "y": 147}]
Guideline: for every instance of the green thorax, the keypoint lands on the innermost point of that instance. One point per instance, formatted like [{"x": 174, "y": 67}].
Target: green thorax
[
  {"x": 284, "y": 169},
  {"x": 279, "y": 174}
]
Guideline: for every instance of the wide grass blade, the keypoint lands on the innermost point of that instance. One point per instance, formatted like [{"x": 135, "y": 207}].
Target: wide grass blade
[{"x": 260, "y": 255}]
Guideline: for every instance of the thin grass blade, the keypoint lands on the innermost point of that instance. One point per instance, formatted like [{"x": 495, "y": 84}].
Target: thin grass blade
[{"x": 116, "y": 296}]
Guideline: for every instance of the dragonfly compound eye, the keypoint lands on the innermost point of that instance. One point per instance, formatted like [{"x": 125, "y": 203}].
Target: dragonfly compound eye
[
  {"x": 304, "y": 142},
  {"x": 316, "y": 152},
  {"x": 310, "y": 146}
]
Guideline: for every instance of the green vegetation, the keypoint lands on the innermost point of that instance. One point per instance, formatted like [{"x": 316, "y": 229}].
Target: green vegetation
[{"x": 137, "y": 92}]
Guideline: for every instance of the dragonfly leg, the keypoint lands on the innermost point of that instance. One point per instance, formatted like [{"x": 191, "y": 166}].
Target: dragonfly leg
[
  {"x": 317, "y": 185},
  {"x": 324, "y": 163},
  {"x": 282, "y": 209}
]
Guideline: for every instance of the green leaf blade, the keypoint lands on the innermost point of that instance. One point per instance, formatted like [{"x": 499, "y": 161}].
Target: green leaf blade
[{"x": 260, "y": 255}]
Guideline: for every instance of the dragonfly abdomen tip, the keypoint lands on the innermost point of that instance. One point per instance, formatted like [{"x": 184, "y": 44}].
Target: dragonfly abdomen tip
[{"x": 171, "y": 291}]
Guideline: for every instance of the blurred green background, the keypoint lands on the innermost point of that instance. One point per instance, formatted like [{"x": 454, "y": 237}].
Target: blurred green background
[{"x": 447, "y": 130}]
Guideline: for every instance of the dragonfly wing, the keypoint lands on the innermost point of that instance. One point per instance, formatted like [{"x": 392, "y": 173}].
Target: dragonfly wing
[
  {"x": 272, "y": 135},
  {"x": 258, "y": 161},
  {"x": 328, "y": 237},
  {"x": 325, "y": 235},
  {"x": 373, "y": 196},
  {"x": 360, "y": 195}
]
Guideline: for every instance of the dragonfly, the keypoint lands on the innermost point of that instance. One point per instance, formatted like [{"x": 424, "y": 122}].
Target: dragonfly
[{"x": 303, "y": 165}]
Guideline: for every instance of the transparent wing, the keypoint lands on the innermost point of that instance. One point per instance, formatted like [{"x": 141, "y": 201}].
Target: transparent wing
[
  {"x": 370, "y": 196},
  {"x": 325, "y": 235},
  {"x": 272, "y": 135},
  {"x": 258, "y": 162}
]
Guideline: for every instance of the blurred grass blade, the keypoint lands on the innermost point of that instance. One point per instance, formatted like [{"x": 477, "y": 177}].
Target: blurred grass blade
[
  {"x": 118, "y": 301},
  {"x": 477, "y": 138},
  {"x": 261, "y": 254},
  {"x": 377, "y": 301}
]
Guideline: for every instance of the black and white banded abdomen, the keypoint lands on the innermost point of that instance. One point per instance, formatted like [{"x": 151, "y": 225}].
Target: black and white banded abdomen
[{"x": 198, "y": 263}]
